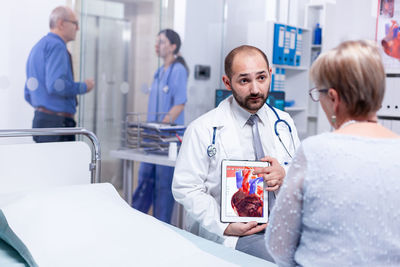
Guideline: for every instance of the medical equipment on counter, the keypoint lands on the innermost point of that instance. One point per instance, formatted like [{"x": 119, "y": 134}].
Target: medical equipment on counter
[
  {"x": 172, "y": 151},
  {"x": 150, "y": 137}
]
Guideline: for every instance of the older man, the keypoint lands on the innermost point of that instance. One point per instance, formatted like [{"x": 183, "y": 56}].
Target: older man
[
  {"x": 50, "y": 87},
  {"x": 230, "y": 129}
]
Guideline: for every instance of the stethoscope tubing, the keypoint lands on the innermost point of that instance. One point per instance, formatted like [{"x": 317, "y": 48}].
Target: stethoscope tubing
[
  {"x": 211, "y": 149},
  {"x": 279, "y": 120},
  {"x": 165, "y": 88},
  {"x": 168, "y": 77}
]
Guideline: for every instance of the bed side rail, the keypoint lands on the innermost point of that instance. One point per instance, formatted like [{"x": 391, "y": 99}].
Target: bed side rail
[{"x": 95, "y": 165}]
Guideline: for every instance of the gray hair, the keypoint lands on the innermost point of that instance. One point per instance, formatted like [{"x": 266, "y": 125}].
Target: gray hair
[
  {"x": 355, "y": 70},
  {"x": 58, "y": 13}
]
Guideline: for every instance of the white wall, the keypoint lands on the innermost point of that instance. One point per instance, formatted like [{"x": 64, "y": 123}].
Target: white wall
[
  {"x": 212, "y": 29},
  {"x": 206, "y": 42},
  {"x": 357, "y": 17},
  {"x": 23, "y": 23},
  {"x": 239, "y": 16},
  {"x": 208, "y": 39},
  {"x": 346, "y": 20},
  {"x": 202, "y": 45}
]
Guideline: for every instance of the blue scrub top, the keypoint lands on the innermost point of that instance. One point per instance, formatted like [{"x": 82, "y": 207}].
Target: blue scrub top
[{"x": 168, "y": 90}]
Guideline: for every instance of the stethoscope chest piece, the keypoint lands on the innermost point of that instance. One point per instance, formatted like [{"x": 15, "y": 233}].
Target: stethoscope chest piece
[
  {"x": 211, "y": 150},
  {"x": 159, "y": 75}
]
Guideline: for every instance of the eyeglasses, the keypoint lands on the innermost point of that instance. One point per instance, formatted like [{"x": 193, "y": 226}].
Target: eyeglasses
[
  {"x": 76, "y": 23},
  {"x": 315, "y": 93}
]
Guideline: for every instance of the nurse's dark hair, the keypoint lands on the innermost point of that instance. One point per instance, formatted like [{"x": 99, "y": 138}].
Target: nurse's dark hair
[
  {"x": 243, "y": 48},
  {"x": 173, "y": 38}
]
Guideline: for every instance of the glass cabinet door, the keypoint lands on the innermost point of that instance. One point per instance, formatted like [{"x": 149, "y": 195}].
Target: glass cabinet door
[{"x": 117, "y": 51}]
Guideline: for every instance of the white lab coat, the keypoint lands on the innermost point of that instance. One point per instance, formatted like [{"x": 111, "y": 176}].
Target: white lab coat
[{"x": 197, "y": 177}]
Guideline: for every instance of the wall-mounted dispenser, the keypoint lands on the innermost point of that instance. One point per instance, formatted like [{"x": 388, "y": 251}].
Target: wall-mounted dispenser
[{"x": 202, "y": 72}]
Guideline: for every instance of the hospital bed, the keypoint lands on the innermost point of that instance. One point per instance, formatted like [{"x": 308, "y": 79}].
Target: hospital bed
[{"x": 54, "y": 213}]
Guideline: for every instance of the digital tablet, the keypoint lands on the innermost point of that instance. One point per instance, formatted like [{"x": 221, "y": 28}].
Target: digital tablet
[{"x": 243, "y": 196}]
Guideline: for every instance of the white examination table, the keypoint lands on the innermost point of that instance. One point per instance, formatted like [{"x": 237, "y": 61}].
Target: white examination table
[{"x": 51, "y": 167}]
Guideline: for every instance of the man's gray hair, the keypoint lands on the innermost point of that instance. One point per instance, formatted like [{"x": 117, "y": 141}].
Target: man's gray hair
[{"x": 58, "y": 13}]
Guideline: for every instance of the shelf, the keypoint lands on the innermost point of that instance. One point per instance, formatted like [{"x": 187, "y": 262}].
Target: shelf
[
  {"x": 295, "y": 109},
  {"x": 295, "y": 81},
  {"x": 316, "y": 6},
  {"x": 312, "y": 117},
  {"x": 288, "y": 67}
]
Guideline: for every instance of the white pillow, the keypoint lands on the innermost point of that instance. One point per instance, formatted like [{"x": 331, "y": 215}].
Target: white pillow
[{"x": 90, "y": 225}]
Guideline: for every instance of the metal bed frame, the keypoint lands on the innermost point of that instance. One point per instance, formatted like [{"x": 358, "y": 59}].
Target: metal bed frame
[{"x": 94, "y": 166}]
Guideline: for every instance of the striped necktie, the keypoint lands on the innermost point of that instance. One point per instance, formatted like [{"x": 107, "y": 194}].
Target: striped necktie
[{"x": 259, "y": 152}]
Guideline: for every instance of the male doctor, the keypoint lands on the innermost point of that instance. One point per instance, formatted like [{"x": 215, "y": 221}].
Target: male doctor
[{"x": 197, "y": 178}]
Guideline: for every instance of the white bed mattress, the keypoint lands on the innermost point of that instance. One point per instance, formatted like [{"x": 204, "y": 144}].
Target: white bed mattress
[
  {"x": 93, "y": 224},
  {"x": 31, "y": 168}
]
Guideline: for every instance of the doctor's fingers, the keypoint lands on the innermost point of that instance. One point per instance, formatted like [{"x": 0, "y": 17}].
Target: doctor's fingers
[
  {"x": 273, "y": 179},
  {"x": 239, "y": 228},
  {"x": 270, "y": 169},
  {"x": 273, "y": 183},
  {"x": 273, "y": 175},
  {"x": 271, "y": 160},
  {"x": 243, "y": 228},
  {"x": 277, "y": 170},
  {"x": 274, "y": 187},
  {"x": 270, "y": 174},
  {"x": 263, "y": 170},
  {"x": 256, "y": 229}
]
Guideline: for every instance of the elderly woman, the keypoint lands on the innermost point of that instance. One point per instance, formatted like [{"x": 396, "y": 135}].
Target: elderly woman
[{"x": 339, "y": 202}]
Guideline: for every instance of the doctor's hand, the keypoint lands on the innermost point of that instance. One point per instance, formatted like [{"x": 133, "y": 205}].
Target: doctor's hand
[
  {"x": 273, "y": 175},
  {"x": 242, "y": 229}
]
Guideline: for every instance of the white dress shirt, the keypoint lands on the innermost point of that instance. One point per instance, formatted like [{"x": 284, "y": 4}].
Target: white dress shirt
[{"x": 245, "y": 130}]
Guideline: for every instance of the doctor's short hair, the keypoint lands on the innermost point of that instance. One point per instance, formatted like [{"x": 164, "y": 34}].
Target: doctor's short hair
[
  {"x": 243, "y": 48},
  {"x": 355, "y": 70},
  {"x": 60, "y": 12}
]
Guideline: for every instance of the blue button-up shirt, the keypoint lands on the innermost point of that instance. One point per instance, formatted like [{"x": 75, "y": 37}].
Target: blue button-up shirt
[{"x": 50, "y": 81}]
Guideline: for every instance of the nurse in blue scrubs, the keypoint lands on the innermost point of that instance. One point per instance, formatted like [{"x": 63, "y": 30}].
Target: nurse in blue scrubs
[{"x": 168, "y": 96}]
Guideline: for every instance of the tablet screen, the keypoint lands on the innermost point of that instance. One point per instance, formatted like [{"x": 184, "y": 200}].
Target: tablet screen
[{"x": 242, "y": 198}]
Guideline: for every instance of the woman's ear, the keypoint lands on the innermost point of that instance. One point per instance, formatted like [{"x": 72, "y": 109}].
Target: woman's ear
[
  {"x": 173, "y": 48},
  {"x": 334, "y": 97}
]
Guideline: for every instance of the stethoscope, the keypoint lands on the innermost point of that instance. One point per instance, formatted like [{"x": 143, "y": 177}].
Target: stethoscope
[
  {"x": 212, "y": 150},
  {"x": 165, "y": 88}
]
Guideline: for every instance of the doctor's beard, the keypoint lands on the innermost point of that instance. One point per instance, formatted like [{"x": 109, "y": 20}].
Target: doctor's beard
[{"x": 249, "y": 102}]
